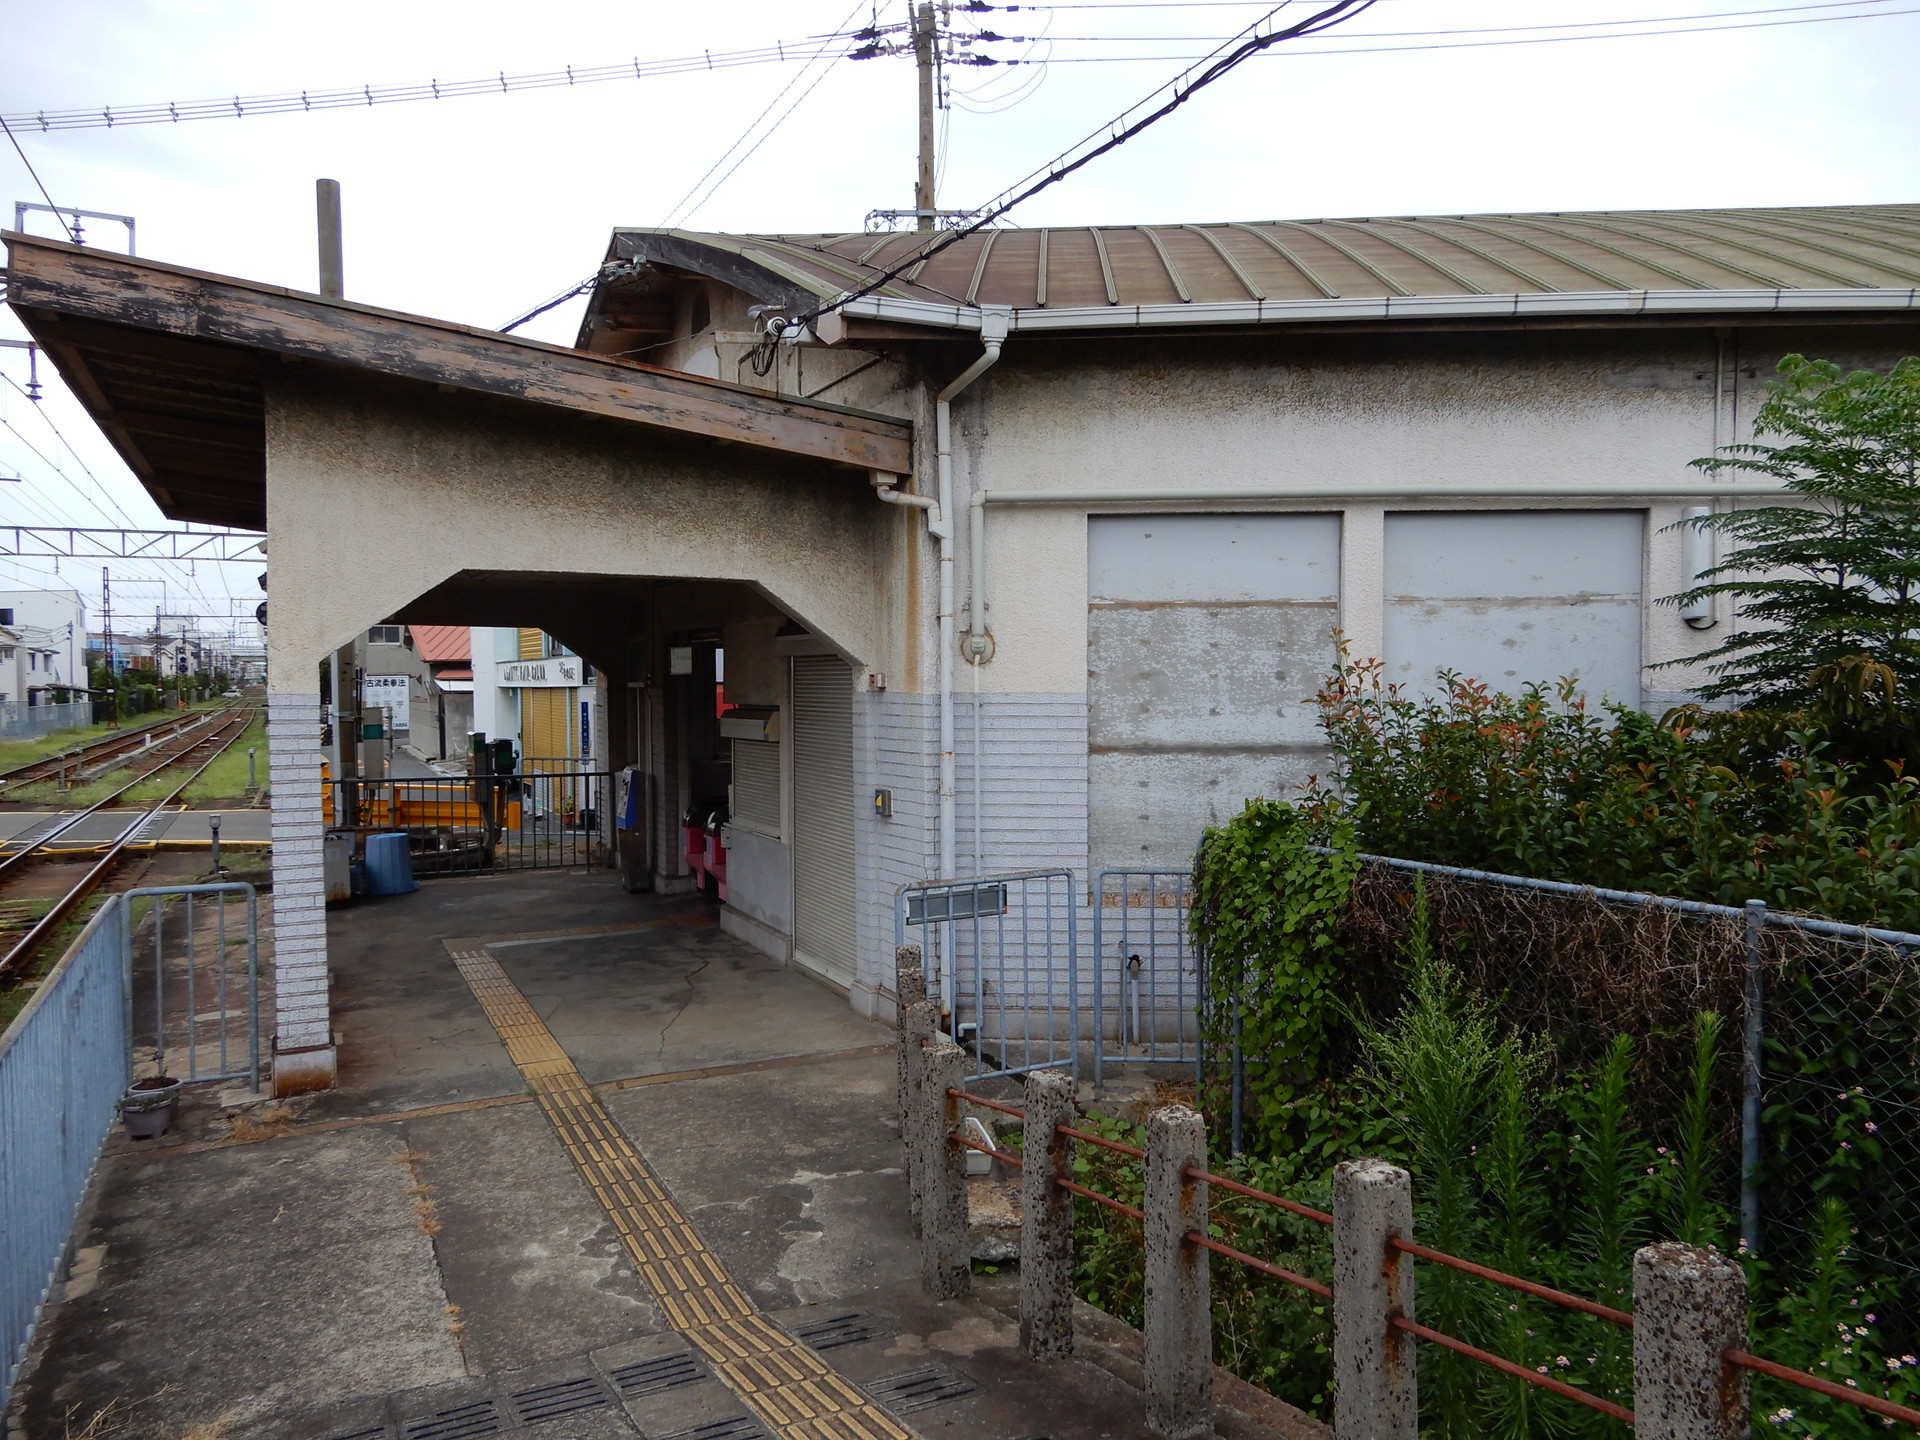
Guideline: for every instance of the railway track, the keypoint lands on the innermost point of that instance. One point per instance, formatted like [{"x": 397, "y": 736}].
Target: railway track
[
  {"x": 198, "y": 751},
  {"x": 87, "y": 762}
]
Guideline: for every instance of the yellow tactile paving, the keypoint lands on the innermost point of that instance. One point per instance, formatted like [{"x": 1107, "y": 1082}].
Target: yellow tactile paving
[{"x": 796, "y": 1393}]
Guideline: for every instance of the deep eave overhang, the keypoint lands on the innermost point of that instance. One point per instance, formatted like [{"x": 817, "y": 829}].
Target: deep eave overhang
[{"x": 169, "y": 361}]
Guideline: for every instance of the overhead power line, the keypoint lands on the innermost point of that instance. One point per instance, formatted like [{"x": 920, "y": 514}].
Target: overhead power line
[
  {"x": 38, "y": 183},
  {"x": 1489, "y": 44},
  {"x": 1117, "y": 132},
  {"x": 102, "y": 117}
]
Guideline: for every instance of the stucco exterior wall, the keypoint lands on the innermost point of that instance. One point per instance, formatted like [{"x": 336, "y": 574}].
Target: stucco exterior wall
[{"x": 377, "y": 494}]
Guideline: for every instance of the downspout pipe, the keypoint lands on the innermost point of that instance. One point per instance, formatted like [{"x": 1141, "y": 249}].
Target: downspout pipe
[{"x": 995, "y": 321}]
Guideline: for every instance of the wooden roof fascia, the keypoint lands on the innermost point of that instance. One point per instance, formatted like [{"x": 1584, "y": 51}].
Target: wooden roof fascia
[{"x": 142, "y": 295}]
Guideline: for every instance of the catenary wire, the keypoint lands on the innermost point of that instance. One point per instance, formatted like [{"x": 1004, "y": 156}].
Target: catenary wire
[
  {"x": 784, "y": 116},
  {"x": 39, "y": 184}
]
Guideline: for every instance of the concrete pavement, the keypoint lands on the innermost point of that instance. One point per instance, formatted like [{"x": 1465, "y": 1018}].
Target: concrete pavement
[{"x": 418, "y": 1247}]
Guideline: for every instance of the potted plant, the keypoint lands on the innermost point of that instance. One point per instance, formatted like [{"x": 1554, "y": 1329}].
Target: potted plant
[{"x": 148, "y": 1107}]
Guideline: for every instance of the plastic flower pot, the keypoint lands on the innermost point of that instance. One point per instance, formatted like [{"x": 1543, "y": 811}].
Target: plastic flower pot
[{"x": 149, "y": 1105}]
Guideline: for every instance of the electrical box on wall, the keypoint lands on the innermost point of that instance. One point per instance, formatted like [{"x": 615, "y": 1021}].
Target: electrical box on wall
[{"x": 883, "y": 804}]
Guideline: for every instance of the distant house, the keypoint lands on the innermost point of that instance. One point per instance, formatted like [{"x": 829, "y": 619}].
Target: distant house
[{"x": 443, "y": 707}]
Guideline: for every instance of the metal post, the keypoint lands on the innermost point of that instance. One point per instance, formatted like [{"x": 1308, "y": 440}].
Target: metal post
[
  {"x": 1178, "y": 1325},
  {"x": 253, "y": 779},
  {"x": 1689, "y": 1308},
  {"x": 1754, "y": 1000},
  {"x": 1046, "y": 1218},
  {"x": 326, "y": 196},
  {"x": 213, "y": 822},
  {"x": 1239, "y": 1062},
  {"x": 1375, "y": 1391}
]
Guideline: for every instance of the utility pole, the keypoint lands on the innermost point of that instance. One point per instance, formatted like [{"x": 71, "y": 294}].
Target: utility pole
[
  {"x": 326, "y": 197},
  {"x": 923, "y": 59}
]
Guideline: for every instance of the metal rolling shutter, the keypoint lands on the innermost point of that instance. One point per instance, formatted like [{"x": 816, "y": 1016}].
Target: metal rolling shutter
[
  {"x": 756, "y": 787},
  {"x": 823, "y": 818}
]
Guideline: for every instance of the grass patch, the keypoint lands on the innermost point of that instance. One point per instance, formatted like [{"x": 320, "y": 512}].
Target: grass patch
[
  {"x": 226, "y": 778},
  {"x": 22, "y": 752}
]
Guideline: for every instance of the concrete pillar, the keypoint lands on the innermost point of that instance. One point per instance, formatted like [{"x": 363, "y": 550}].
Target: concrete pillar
[
  {"x": 1375, "y": 1394},
  {"x": 918, "y": 1023},
  {"x": 1179, "y": 1310},
  {"x": 1689, "y": 1305},
  {"x": 303, "y": 1056},
  {"x": 909, "y": 985},
  {"x": 1046, "y": 1218},
  {"x": 946, "y": 1265}
]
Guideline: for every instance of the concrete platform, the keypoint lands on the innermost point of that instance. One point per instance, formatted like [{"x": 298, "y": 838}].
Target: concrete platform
[
  {"x": 245, "y": 828},
  {"x": 417, "y": 1242}
]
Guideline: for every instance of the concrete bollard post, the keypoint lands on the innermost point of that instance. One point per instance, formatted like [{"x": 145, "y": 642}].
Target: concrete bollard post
[
  {"x": 1689, "y": 1305},
  {"x": 1046, "y": 1218},
  {"x": 909, "y": 989},
  {"x": 1179, "y": 1308},
  {"x": 917, "y": 1030},
  {"x": 946, "y": 1266},
  {"x": 1375, "y": 1391}
]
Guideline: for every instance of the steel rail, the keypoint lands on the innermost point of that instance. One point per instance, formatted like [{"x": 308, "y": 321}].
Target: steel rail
[
  {"x": 28, "y": 848},
  {"x": 982, "y": 1101},
  {"x": 90, "y": 881},
  {"x": 1006, "y": 1156},
  {"x": 106, "y": 747}
]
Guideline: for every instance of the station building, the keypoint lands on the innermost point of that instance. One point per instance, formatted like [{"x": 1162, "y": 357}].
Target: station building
[{"x": 1030, "y": 555}]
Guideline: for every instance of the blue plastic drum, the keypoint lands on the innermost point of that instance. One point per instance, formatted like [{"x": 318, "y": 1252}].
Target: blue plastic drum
[{"x": 389, "y": 867}]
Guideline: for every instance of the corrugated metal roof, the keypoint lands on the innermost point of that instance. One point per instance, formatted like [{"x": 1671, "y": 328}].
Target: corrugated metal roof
[
  {"x": 1866, "y": 247},
  {"x": 436, "y": 643}
]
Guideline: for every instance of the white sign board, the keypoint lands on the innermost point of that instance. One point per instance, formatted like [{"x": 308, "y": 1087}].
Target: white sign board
[
  {"x": 554, "y": 671},
  {"x": 391, "y": 693}
]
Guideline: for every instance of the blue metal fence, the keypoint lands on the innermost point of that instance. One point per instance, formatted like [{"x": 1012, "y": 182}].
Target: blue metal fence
[{"x": 64, "y": 1064}]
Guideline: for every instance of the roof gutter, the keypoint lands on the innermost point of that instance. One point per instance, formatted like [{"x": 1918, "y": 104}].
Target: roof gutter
[{"x": 1390, "y": 307}]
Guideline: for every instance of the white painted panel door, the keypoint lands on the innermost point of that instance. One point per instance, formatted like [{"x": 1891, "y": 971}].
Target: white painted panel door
[
  {"x": 823, "y": 818},
  {"x": 1207, "y": 636},
  {"x": 1512, "y": 597}
]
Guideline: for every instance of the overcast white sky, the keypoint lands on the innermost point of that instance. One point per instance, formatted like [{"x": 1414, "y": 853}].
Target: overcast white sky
[{"x": 475, "y": 209}]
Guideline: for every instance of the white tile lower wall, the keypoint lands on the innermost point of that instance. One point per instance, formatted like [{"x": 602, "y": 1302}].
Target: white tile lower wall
[
  {"x": 1033, "y": 810},
  {"x": 301, "y": 1018}
]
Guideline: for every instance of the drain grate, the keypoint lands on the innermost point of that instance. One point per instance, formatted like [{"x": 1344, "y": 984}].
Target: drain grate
[
  {"x": 560, "y": 1397},
  {"x": 463, "y": 1421},
  {"x": 740, "y": 1427},
  {"x": 919, "y": 1387},
  {"x": 650, "y": 1377},
  {"x": 851, "y": 1328}
]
